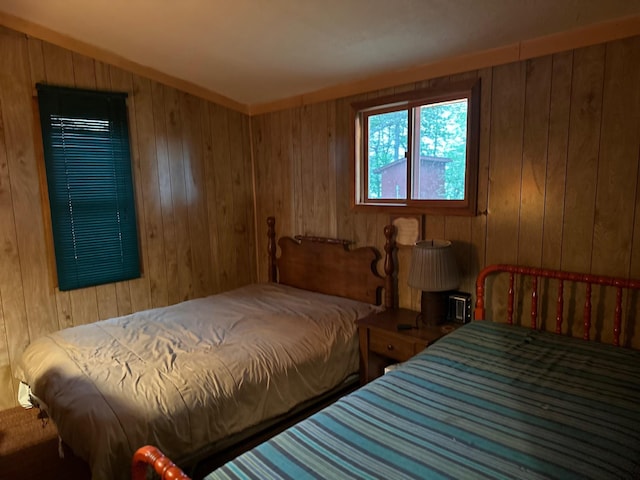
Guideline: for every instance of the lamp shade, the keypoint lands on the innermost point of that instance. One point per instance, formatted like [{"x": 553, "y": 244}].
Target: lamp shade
[{"x": 433, "y": 267}]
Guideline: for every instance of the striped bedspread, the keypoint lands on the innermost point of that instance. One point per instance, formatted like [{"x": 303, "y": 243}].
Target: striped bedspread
[{"x": 486, "y": 401}]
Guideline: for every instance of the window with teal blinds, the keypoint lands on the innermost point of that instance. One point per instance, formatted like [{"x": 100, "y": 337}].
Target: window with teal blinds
[{"x": 88, "y": 167}]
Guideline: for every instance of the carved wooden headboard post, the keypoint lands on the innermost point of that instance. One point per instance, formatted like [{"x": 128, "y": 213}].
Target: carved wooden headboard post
[
  {"x": 389, "y": 267},
  {"x": 163, "y": 466},
  {"x": 271, "y": 248}
]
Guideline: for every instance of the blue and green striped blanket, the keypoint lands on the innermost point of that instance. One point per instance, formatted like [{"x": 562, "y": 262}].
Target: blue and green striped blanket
[{"x": 486, "y": 401}]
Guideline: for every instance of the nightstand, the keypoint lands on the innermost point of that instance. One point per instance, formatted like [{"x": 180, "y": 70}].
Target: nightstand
[{"x": 381, "y": 343}]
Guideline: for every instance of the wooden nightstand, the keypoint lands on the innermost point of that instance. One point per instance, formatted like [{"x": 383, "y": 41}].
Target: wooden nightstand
[{"x": 381, "y": 343}]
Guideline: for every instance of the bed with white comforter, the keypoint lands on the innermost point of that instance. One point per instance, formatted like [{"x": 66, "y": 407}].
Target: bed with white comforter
[{"x": 186, "y": 376}]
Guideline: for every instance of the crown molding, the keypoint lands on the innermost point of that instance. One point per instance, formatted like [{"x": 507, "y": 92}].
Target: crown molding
[{"x": 537, "y": 47}]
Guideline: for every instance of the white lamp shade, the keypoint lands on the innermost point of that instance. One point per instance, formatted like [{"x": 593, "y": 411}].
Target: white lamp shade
[{"x": 433, "y": 267}]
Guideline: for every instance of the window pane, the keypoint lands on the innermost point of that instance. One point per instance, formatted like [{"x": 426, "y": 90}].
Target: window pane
[
  {"x": 442, "y": 142},
  {"x": 387, "y": 164}
]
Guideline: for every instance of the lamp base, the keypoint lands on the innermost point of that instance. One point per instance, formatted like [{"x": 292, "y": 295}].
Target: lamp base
[{"x": 433, "y": 308}]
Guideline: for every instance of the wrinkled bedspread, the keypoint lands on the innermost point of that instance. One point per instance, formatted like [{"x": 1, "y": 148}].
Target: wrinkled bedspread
[{"x": 184, "y": 376}]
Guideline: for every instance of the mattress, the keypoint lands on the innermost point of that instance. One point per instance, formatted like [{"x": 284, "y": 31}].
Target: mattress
[
  {"x": 185, "y": 376},
  {"x": 488, "y": 401}
]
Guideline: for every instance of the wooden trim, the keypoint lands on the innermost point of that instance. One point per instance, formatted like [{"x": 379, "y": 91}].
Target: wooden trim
[
  {"x": 292, "y": 102},
  {"x": 410, "y": 98},
  {"x": 453, "y": 207},
  {"x": 44, "y": 196},
  {"x": 473, "y": 150},
  {"x": 78, "y": 46},
  {"x": 581, "y": 37},
  {"x": 441, "y": 68},
  {"x": 537, "y": 47},
  {"x": 360, "y": 200}
]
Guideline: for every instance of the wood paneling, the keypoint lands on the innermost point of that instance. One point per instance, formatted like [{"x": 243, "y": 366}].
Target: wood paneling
[
  {"x": 14, "y": 333},
  {"x": 558, "y": 184},
  {"x": 179, "y": 199},
  {"x": 558, "y": 172}
]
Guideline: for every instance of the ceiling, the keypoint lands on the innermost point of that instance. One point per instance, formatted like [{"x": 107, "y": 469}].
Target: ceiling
[{"x": 259, "y": 51}]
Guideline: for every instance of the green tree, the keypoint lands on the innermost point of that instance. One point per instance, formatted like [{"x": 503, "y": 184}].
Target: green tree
[
  {"x": 387, "y": 144},
  {"x": 443, "y": 134}
]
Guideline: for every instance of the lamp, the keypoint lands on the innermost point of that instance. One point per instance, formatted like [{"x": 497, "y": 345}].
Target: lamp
[{"x": 433, "y": 271}]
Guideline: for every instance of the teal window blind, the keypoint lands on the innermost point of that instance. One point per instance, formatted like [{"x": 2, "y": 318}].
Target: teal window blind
[{"x": 88, "y": 166}]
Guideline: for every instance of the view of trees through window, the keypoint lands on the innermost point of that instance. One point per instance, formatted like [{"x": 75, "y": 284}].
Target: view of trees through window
[{"x": 438, "y": 173}]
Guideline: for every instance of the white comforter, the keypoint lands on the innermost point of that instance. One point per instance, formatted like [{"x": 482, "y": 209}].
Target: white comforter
[{"x": 187, "y": 375}]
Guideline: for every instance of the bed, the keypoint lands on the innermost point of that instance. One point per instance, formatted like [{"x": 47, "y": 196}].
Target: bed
[
  {"x": 209, "y": 375},
  {"x": 493, "y": 399}
]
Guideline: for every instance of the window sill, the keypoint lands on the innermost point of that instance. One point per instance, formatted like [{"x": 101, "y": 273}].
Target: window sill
[{"x": 435, "y": 208}]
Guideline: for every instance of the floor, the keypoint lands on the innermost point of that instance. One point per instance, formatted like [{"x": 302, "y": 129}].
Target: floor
[{"x": 29, "y": 449}]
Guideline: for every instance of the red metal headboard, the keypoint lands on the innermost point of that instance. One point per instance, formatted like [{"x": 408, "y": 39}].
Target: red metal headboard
[{"x": 561, "y": 276}]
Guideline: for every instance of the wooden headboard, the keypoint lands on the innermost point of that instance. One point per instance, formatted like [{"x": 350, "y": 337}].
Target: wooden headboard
[
  {"x": 328, "y": 265},
  {"x": 619, "y": 284}
]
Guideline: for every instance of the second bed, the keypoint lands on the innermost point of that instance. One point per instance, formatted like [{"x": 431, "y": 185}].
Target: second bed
[{"x": 200, "y": 376}]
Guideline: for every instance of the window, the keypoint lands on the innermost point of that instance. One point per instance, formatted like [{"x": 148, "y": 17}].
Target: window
[
  {"x": 418, "y": 151},
  {"x": 88, "y": 167}
]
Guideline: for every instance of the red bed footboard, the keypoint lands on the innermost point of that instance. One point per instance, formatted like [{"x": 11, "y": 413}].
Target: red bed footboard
[
  {"x": 151, "y": 456},
  {"x": 618, "y": 283}
]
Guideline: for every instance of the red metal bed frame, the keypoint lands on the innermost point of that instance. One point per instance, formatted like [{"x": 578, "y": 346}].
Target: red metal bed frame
[
  {"x": 589, "y": 280},
  {"x": 167, "y": 470}
]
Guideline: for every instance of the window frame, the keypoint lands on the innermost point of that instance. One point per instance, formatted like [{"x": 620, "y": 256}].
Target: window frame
[
  {"x": 115, "y": 216},
  {"x": 469, "y": 89}
]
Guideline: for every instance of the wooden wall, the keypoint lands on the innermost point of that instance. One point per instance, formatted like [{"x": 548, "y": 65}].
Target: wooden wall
[
  {"x": 192, "y": 172},
  {"x": 558, "y": 178},
  {"x": 558, "y": 183}
]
